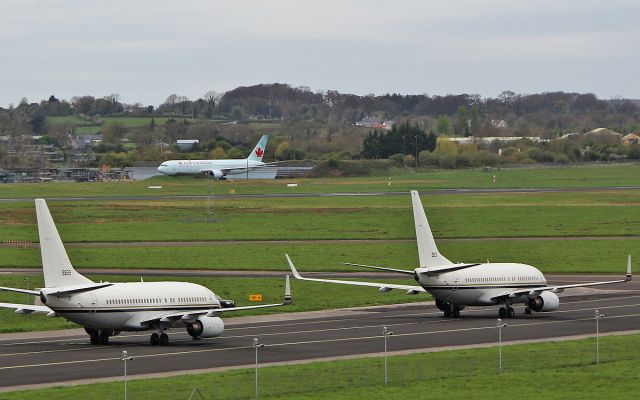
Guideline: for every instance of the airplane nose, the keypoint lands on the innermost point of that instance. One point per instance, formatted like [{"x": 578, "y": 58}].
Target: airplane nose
[{"x": 161, "y": 169}]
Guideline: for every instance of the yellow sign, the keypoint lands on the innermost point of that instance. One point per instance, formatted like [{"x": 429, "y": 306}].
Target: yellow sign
[{"x": 255, "y": 297}]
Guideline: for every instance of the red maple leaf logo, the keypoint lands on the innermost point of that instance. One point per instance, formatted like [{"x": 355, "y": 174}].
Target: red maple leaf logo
[{"x": 259, "y": 152}]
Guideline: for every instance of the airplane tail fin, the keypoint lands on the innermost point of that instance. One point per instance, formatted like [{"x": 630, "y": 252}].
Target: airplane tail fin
[
  {"x": 258, "y": 151},
  {"x": 427, "y": 251},
  {"x": 56, "y": 266}
]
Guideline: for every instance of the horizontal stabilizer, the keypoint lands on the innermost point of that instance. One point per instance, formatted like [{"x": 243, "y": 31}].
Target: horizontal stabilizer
[
  {"x": 447, "y": 268},
  {"x": 26, "y": 308},
  {"x": 69, "y": 290}
]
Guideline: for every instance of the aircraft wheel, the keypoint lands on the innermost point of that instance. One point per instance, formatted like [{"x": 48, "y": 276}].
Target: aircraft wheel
[
  {"x": 155, "y": 339},
  {"x": 164, "y": 339},
  {"x": 502, "y": 313},
  {"x": 511, "y": 313},
  {"x": 455, "y": 313},
  {"x": 103, "y": 338},
  {"x": 447, "y": 312},
  {"x": 94, "y": 338}
]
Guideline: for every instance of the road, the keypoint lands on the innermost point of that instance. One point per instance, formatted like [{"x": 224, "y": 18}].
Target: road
[{"x": 54, "y": 357}]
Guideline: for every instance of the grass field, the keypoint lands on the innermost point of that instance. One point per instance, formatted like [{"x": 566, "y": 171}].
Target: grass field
[
  {"x": 610, "y": 213},
  {"x": 385, "y": 222},
  {"x": 557, "y": 370},
  {"x": 551, "y": 256},
  {"x": 136, "y": 122},
  {"x": 307, "y": 296},
  {"x": 587, "y": 176}
]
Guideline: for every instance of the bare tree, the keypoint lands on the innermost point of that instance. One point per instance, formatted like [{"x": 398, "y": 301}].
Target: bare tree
[
  {"x": 212, "y": 97},
  {"x": 171, "y": 100}
]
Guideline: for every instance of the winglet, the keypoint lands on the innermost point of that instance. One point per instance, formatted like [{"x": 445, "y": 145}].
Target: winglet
[
  {"x": 293, "y": 268},
  {"x": 628, "y": 278},
  {"x": 287, "y": 292}
]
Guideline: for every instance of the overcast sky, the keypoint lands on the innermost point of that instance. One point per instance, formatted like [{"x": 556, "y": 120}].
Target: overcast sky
[{"x": 145, "y": 50}]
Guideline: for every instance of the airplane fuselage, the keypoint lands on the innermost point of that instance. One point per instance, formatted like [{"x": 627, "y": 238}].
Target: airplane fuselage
[
  {"x": 195, "y": 167},
  {"x": 125, "y": 306},
  {"x": 481, "y": 284}
]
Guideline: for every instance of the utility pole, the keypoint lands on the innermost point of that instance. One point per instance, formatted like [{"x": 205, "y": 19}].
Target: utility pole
[
  {"x": 386, "y": 333},
  {"x": 124, "y": 358},
  {"x": 500, "y": 325},
  {"x": 597, "y": 317}
]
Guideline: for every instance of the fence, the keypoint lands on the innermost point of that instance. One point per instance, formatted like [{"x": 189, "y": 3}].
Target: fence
[{"x": 309, "y": 379}]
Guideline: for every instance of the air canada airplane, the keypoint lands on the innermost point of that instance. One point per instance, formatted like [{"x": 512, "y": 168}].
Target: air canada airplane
[
  {"x": 218, "y": 169},
  {"x": 105, "y": 309},
  {"x": 457, "y": 285}
]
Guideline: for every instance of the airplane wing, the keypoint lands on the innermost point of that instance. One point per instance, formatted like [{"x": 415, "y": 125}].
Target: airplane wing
[
  {"x": 188, "y": 315},
  {"x": 9, "y": 289},
  {"x": 533, "y": 292},
  {"x": 27, "y": 308},
  {"x": 383, "y": 286},
  {"x": 227, "y": 170}
]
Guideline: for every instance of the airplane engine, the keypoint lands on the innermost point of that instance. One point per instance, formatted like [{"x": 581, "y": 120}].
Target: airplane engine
[
  {"x": 216, "y": 173},
  {"x": 206, "y": 327},
  {"x": 546, "y": 301}
]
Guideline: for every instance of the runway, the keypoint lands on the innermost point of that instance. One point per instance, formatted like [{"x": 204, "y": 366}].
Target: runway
[
  {"x": 345, "y": 194},
  {"x": 55, "y": 357}
]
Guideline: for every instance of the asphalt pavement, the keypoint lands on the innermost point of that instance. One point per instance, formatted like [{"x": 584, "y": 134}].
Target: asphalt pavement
[{"x": 51, "y": 358}]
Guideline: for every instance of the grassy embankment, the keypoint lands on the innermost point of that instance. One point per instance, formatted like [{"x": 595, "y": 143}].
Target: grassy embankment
[{"x": 563, "y": 370}]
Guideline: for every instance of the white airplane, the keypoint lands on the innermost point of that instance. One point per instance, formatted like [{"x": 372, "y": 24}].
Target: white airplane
[
  {"x": 457, "y": 285},
  {"x": 218, "y": 169},
  {"x": 105, "y": 309}
]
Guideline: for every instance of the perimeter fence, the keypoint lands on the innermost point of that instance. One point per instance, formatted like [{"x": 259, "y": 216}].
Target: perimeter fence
[{"x": 306, "y": 379}]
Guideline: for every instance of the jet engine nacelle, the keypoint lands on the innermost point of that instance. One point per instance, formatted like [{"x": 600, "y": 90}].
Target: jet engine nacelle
[
  {"x": 546, "y": 301},
  {"x": 205, "y": 327},
  {"x": 215, "y": 173}
]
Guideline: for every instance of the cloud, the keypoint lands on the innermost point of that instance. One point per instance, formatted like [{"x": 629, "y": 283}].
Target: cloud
[{"x": 147, "y": 49}]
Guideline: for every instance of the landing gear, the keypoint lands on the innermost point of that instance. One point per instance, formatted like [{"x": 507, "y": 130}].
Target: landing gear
[
  {"x": 451, "y": 311},
  {"x": 98, "y": 337},
  {"x": 164, "y": 339},
  {"x": 155, "y": 339},
  {"x": 161, "y": 339},
  {"x": 527, "y": 311},
  {"x": 506, "y": 312},
  {"x": 104, "y": 338}
]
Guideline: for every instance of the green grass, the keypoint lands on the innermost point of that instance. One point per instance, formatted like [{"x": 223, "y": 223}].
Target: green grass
[
  {"x": 380, "y": 217},
  {"x": 563, "y": 370},
  {"x": 136, "y": 122},
  {"x": 87, "y": 130},
  {"x": 551, "y": 256},
  {"x": 307, "y": 296},
  {"x": 583, "y": 176},
  {"x": 71, "y": 119}
]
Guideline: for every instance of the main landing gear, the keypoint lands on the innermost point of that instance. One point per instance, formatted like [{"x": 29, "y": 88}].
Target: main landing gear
[
  {"x": 450, "y": 310},
  {"x": 506, "y": 312},
  {"x": 98, "y": 337},
  {"x": 161, "y": 339}
]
